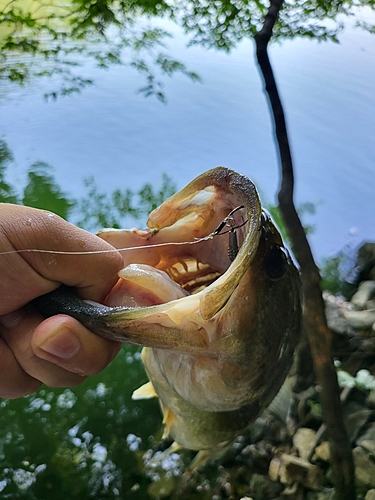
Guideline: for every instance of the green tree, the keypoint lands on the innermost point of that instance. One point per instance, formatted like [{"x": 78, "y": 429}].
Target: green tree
[
  {"x": 40, "y": 39},
  {"x": 223, "y": 24},
  {"x": 42, "y": 191},
  {"x": 98, "y": 209},
  {"x": 7, "y": 192}
]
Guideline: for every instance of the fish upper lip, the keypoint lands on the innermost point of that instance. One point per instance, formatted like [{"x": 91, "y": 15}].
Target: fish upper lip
[{"x": 203, "y": 269}]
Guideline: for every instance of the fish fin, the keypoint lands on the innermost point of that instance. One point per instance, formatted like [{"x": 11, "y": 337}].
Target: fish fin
[
  {"x": 168, "y": 417},
  {"x": 146, "y": 391},
  {"x": 204, "y": 456},
  {"x": 157, "y": 460},
  {"x": 174, "y": 447},
  {"x": 199, "y": 460},
  {"x": 280, "y": 405}
]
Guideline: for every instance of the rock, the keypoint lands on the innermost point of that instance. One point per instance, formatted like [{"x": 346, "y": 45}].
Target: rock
[
  {"x": 369, "y": 433},
  {"x": 370, "y": 495},
  {"x": 365, "y": 292},
  {"x": 290, "y": 492},
  {"x": 322, "y": 452},
  {"x": 366, "y": 260},
  {"x": 257, "y": 429},
  {"x": 360, "y": 320},
  {"x": 325, "y": 494},
  {"x": 369, "y": 446},
  {"x": 365, "y": 380},
  {"x": 367, "y": 439},
  {"x": 335, "y": 307},
  {"x": 364, "y": 469},
  {"x": 262, "y": 487},
  {"x": 289, "y": 469},
  {"x": 370, "y": 401},
  {"x": 274, "y": 468},
  {"x": 304, "y": 441},
  {"x": 355, "y": 421}
]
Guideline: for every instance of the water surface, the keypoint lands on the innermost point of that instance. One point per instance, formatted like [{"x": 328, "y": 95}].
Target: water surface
[{"x": 124, "y": 139}]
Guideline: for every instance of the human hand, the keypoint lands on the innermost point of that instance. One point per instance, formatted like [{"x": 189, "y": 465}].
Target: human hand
[{"x": 58, "y": 351}]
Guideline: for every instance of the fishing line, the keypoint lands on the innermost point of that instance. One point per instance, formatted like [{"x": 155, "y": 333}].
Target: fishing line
[
  {"x": 93, "y": 252},
  {"x": 227, "y": 222}
]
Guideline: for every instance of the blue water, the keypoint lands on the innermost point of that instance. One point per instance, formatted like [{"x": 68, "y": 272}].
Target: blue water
[{"x": 124, "y": 139}]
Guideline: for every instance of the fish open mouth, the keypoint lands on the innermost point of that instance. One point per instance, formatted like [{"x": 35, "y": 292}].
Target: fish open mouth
[{"x": 191, "y": 242}]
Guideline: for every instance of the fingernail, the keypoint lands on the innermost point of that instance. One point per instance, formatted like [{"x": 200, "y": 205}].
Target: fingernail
[{"x": 63, "y": 344}]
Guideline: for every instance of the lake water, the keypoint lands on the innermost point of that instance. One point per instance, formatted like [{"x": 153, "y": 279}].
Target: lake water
[{"x": 124, "y": 139}]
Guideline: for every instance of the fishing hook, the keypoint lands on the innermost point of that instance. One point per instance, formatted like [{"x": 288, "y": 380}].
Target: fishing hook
[{"x": 231, "y": 223}]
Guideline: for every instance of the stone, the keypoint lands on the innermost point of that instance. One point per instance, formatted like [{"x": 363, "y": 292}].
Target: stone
[
  {"x": 360, "y": 320},
  {"x": 366, "y": 259},
  {"x": 304, "y": 441},
  {"x": 367, "y": 439},
  {"x": 262, "y": 487},
  {"x": 370, "y": 495},
  {"x": 335, "y": 307},
  {"x": 364, "y": 469},
  {"x": 274, "y": 468},
  {"x": 368, "y": 446},
  {"x": 322, "y": 452},
  {"x": 297, "y": 470},
  {"x": 365, "y": 292},
  {"x": 355, "y": 421},
  {"x": 370, "y": 401},
  {"x": 325, "y": 494}
]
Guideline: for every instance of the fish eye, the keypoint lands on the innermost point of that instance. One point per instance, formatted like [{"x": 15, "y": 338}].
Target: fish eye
[{"x": 275, "y": 263}]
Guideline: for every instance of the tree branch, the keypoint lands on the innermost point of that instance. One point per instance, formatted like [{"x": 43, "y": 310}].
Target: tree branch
[{"x": 315, "y": 325}]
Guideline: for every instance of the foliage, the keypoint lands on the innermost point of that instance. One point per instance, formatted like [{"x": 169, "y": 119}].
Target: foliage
[
  {"x": 54, "y": 39},
  {"x": 7, "y": 192},
  {"x": 331, "y": 275},
  {"x": 74, "y": 443},
  {"x": 339, "y": 273},
  {"x": 306, "y": 208},
  {"x": 223, "y": 24},
  {"x": 108, "y": 209},
  {"x": 42, "y": 191}
]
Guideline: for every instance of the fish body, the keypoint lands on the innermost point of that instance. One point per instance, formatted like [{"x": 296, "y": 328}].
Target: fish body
[{"x": 210, "y": 291}]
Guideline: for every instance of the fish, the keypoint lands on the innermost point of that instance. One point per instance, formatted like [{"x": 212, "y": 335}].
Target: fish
[{"x": 211, "y": 293}]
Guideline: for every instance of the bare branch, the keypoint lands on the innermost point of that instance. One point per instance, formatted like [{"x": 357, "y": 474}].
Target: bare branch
[{"x": 315, "y": 325}]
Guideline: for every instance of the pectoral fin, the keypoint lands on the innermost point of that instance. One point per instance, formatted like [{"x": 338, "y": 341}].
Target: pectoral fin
[
  {"x": 146, "y": 391},
  {"x": 168, "y": 418}
]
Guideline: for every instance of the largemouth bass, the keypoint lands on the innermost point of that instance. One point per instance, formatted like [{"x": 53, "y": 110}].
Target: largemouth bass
[{"x": 211, "y": 293}]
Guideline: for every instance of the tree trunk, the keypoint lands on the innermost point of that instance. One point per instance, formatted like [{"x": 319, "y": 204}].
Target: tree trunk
[{"x": 318, "y": 334}]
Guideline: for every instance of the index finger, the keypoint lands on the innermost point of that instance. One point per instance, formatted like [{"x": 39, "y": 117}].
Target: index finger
[{"x": 27, "y": 275}]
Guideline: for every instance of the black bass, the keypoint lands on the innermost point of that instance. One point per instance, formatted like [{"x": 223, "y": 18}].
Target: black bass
[{"x": 212, "y": 294}]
